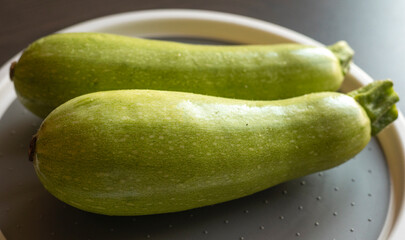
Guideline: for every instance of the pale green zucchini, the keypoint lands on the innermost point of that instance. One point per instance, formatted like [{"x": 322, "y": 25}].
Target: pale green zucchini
[
  {"x": 60, "y": 67},
  {"x": 136, "y": 152}
]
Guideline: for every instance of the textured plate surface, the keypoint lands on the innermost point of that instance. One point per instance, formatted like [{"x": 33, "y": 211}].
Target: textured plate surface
[{"x": 348, "y": 202}]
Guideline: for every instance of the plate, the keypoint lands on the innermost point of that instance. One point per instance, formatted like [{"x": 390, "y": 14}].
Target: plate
[{"x": 361, "y": 199}]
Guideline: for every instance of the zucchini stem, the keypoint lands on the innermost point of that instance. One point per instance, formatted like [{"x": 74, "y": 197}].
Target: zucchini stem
[
  {"x": 12, "y": 70},
  {"x": 378, "y": 100},
  {"x": 31, "y": 150},
  {"x": 344, "y": 53}
]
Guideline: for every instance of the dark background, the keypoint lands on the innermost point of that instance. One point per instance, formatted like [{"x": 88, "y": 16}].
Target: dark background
[{"x": 374, "y": 28}]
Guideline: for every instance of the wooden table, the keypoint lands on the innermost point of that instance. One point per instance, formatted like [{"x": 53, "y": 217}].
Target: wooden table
[{"x": 375, "y": 29}]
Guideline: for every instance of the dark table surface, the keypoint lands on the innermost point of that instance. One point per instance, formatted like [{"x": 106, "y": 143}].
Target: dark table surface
[{"x": 375, "y": 29}]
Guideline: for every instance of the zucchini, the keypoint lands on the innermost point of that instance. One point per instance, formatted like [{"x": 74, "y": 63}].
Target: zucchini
[
  {"x": 60, "y": 67},
  {"x": 136, "y": 152}
]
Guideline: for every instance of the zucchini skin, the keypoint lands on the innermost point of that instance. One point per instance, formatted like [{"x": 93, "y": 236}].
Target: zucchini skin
[
  {"x": 137, "y": 152},
  {"x": 60, "y": 67}
]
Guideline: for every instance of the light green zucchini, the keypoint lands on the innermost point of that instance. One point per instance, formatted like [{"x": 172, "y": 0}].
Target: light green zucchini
[
  {"x": 60, "y": 67},
  {"x": 136, "y": 152}
]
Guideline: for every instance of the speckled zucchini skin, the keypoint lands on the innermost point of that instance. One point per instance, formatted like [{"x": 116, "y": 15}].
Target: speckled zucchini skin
[
  {"x": 136, "y": 152},
  {"x": 60, "y": 67}
]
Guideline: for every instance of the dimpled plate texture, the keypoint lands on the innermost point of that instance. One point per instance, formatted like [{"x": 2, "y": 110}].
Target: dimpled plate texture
[{"x": 347, "y": 202}]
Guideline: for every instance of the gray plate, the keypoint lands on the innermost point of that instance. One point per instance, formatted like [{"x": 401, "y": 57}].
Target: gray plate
[{"x": 347, "y": 202}]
